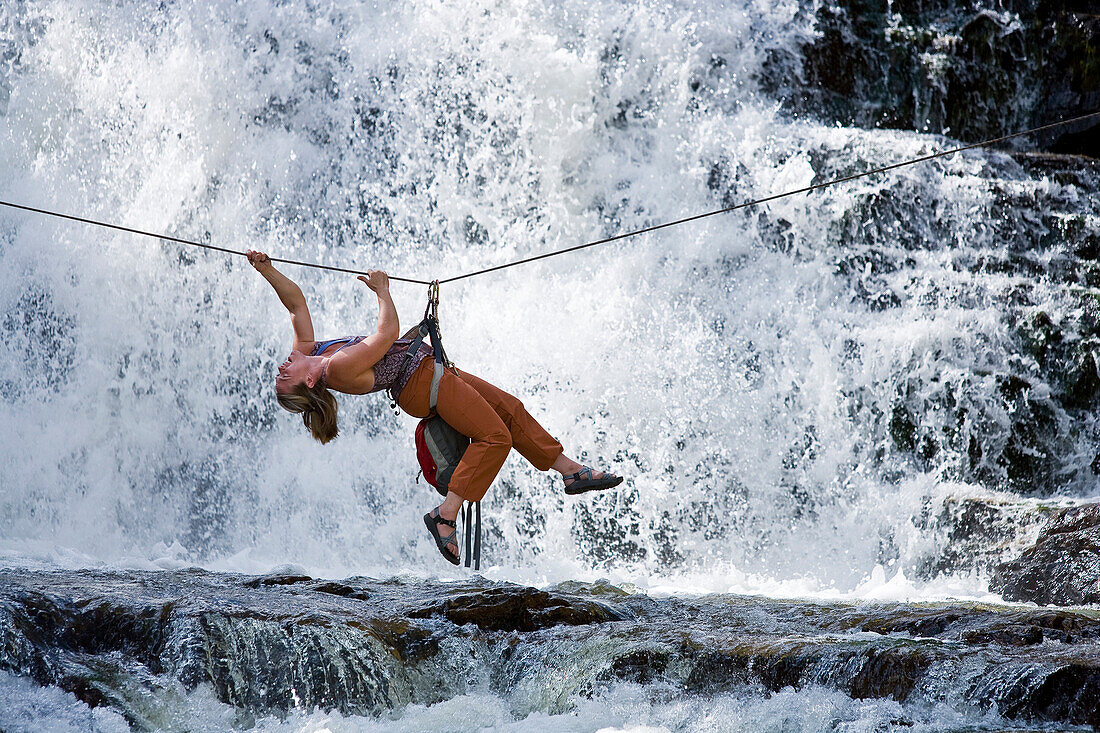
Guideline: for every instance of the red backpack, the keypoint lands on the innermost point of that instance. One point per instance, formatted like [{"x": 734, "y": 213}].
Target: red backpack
[{"x": 439, "y": 448}]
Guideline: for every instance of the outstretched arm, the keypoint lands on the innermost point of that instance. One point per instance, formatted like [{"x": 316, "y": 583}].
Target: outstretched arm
[
  {"x": 389, "y": 326},
  {"x": 352, "y": 365},
  {"x": 355, "y": 360},
  {"x": 290, "y": 295}
]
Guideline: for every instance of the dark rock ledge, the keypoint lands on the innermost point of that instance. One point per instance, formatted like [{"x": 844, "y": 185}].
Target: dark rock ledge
[
  {"x": 139, "y": 641},
  {"x": 974, "y": 69},
  {"x": 1063, "y": 566}
]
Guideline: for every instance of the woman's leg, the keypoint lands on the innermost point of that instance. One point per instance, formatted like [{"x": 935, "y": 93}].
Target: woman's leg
[
  {"x": 464, "y": 409},
  {"x": 495, "y": 421},
  {"x": 529, "y": 438}
]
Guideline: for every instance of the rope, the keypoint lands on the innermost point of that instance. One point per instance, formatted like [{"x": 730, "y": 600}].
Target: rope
[
  {"x": 194, "y": 244},
  {"x": 766, "y": 199},
  {"x": 624, "y": 235}
]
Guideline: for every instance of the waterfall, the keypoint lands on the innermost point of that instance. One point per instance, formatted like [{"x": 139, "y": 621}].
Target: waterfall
[{"x": 798, "y": 394}]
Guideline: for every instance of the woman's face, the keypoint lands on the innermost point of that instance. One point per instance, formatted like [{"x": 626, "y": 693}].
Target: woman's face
[{"x": 292, "y": 372}]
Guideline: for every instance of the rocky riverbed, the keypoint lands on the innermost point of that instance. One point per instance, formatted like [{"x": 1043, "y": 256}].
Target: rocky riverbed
[{"x": 138, "y": 643}]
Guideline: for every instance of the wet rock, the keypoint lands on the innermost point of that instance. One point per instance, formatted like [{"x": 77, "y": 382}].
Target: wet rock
[
  {"x": 515, "y": 608},
  {"x": 136, "y": 642},
  {"x": 277, "y": 579},
  {"x": 265, "y": 665},
  {"x": 862, "y": 670},
  {"x": 977, "y": 532},
  {"x": 1071, "y": 692},
  {"x": 971, "y": 70},
  {"x": 1019, "y": 635},
  {"x": 640, "y": 667},
  {"x": 892, "y": 673},
  {"x": 713, "y": 671},
  {"x": 1062, "y": 567},
  {"x": 341, "y": 589}
]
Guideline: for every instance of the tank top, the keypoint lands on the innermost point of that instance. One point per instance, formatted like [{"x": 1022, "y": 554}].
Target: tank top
[
  {"x": 320, "y": 346},
  {"x": 388, "y": 372}
]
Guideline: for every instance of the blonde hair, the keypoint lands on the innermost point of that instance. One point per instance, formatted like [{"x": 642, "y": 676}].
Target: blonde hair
[{"x": 318, "y": 408}]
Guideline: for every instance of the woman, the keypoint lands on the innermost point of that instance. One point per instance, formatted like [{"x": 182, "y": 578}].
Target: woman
[{"x": 494, "y": 420}]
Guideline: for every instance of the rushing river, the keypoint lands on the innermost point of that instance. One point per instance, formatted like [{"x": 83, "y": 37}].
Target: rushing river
[{"x": 871, "y": 393}]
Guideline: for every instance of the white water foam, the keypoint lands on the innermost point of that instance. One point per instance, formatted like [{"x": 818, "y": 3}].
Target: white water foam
[
  {"x": 623, "y": 708},
  {"x": 724, "y": 366}
]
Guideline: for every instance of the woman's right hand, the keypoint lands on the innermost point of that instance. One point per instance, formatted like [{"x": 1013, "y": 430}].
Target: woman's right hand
[
  {"x": 258, "y": 259},
  {"x": 376, "y": 280}
]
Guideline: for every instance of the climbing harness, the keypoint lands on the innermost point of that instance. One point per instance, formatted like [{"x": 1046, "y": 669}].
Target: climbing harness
[
  {"x": 439, "y": 447},
  {"x": 624, "y": 235},
  {"x": 428, "y": 328}
]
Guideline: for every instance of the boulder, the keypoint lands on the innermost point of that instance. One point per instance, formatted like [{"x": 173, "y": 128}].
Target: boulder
[
  {"x": 515, "y": 608},
  {"x": 1062, "y": 568}
]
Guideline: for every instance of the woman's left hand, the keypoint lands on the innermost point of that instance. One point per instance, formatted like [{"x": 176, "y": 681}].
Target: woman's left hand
[
  {"x": 376, "y": 280},
  {"x": 259, "y": 260}
]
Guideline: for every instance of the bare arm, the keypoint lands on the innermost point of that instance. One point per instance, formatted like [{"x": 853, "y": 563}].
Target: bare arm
[
  {"x": 353, "y": 363},
  {"x": 291, "y": 297},
  {"x": 389, "y": 326}
]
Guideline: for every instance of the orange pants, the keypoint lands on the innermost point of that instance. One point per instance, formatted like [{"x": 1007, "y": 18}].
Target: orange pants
[{"x": 494, "y": 420}]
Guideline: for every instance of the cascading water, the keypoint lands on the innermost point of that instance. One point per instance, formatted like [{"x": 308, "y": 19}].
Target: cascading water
[{"x": 798, "y": 393}]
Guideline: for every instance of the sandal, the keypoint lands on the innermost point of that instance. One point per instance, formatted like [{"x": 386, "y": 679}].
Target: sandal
[
  {"x": 433, "y": 520},
  {"x": 585, "y": 480}
]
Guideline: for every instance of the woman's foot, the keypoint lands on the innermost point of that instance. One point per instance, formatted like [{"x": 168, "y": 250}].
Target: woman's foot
[
  {"x": 444, "y": 542},
  {"x": 588, "y": 479}
]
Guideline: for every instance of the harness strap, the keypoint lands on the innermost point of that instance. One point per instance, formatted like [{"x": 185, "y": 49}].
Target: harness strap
[
  {"x": 414, "y": 347},
  {"x": 477, "y": 536},
  {"x": 473, "y": 507},
  {"x": 437, "y": 377},
  {"x": 437, "y": 342}
]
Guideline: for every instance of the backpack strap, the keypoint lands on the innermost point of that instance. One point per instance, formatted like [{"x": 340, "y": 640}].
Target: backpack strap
[{"x": 433, "y": 396}]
